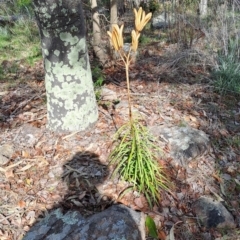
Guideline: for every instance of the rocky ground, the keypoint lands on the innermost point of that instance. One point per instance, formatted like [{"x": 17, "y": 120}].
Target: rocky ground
[{"x": 41, "y": 170}]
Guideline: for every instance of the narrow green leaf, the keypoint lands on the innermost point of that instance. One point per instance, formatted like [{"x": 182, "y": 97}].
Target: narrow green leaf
[{"x": 152, "y": 229}]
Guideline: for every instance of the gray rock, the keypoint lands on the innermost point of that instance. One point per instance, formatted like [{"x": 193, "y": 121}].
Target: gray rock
[
  {"x": 123, "y": 110},
  {"x": 29, "y": 135},
  {"x": 56, "y": 226},
  {"x": 108, "y": 94},
  {"x": 126, "y": 49},
  {"x": 212, "y": 214},
  {"x": 162, "y": 20},
  {"x": 6, "y": 152},
  {"x": 185, "y": 143},
  {"x": 117, "y": 222}
]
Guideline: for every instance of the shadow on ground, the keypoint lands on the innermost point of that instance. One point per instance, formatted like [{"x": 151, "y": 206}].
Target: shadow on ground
[{"x": 80, "y": 176}]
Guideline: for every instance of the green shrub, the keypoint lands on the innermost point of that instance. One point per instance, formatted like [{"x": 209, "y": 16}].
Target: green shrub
[
  {"x": 98, "y": 77},
  {"x": 98, "y": 80},
  {"x": 24, "y": 3},
  {"x": 154, "y": 6},
  {"x": 227, "y": 74},
  {"x": 20, "y": 41},
  {"x": 16, "y": 7},
  {"x": 144, "y": 39},
  {"x": 135, "y": 158},
  {"x": 25, "y": 7}
]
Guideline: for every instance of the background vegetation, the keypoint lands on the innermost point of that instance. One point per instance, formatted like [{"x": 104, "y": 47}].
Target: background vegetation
[{"x": 215, "y": 34}]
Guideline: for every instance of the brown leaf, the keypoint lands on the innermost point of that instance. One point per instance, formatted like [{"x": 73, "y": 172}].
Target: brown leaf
[
  {"x": 9, "y": 174},
  {"x": 77, "y": 203},
  {"x": 42, "y": 162},
  {"x": 17, "y": 222},
  {"x": 25, "y": 154},
  {"x": 138, "y": 202},
  {"x": 21, "y": 204},
  {"x": 82, "y": 195},
  {"x": 3, "y": 220},
  {"x": 161, "y": 235}
]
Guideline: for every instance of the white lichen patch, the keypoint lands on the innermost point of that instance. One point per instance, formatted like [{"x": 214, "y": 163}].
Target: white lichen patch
[
  {"x": 45, "y": 33},
  {"x": 67, "y": 38},
  {"x": 54, "y": 5},
  {"x": 57, "y": 52},
  {"x": 45, "y": 51}
]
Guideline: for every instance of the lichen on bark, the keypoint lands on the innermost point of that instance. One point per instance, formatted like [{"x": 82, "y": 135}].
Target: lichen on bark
[{"x": 71, "y": 103}]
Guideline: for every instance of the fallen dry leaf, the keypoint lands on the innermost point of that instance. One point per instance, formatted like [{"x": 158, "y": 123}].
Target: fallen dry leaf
[
  {"x": 21, "y": 204},
  {"x": 25, "y": 154},
  {"x": 9, "y": 173},
  {"x": 31, "y": 216},
  {"x": 161, "y": 235}
]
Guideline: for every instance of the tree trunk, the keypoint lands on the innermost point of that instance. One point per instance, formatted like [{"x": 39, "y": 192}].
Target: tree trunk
[
  {"x": 121, "y": 7},
  {"x": 97, "y": 40},
  {"x": 113, "y": 12},
  {"x": 203, "y": 8},
  {"x": 136, "y": 3},
  {"x": 71, "y": 104}
]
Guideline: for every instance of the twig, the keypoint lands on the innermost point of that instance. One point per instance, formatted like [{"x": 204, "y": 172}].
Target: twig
[
  {"x": 23, "y": 104},
  {"x": 70, "y": 135},
  {"x": 11, "y": 166},
  {"x": 5, "y": 218}
]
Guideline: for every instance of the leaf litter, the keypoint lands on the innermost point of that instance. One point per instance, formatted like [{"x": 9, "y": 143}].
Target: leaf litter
[{"x": 71, "y": 170}]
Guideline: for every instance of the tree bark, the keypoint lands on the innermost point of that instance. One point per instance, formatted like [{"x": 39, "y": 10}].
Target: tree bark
[
  {"x": 136, "y": 3},
  {"x": 113, "y": 12},
  {"x": 71, "y": 104},
  {"x": 121, "y": 7},
  {"x": 97, "y": 39},
  {"x": 203, "y": 8}
]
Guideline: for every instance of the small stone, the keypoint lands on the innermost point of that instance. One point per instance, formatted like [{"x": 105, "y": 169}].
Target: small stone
[
  {"x": 105, "y": 198},
  {"x": 149, "y": 53},
  {"x": 165, "y": 211},
  {"x": 29, "y": 135},
  {"x": 180, "y": 196},
  {"x": 6, "y": 152},
  {"x": 140, "y": 87},
  {"x": 3, "y": 93},
  {"x": 108, "y": 94},
  {"x": 162, "y": 20},
  {"x": 232, "y": 169},
  {"x": 212, "y": 214},
  {"x": 169, "y": 224},
  {"x": 207, "y": 236},
  {"x": 138, "y": 202},
  {"x": 226, "y": 176}
]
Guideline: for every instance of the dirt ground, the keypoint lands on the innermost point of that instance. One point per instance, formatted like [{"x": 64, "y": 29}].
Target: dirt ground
[{"x": 48, "y": 170}]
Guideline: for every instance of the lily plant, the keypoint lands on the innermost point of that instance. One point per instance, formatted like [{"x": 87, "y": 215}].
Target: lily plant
[
  {"x": 116, "y": 40},
  {"x": 135, "y": 155}
]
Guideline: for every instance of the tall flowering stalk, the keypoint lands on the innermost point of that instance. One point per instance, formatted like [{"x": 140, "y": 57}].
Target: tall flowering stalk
[
  {"x": 116, "y": 40},
  {"x": 135, "y": 156}
]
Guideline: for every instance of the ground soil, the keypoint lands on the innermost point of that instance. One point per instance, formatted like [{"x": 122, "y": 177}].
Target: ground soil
[{"x": 71, "y": 170}]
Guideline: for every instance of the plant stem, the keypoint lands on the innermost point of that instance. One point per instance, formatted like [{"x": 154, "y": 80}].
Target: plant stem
[
  {"x": 127, "y": 60},
  {"x": 128, "y": 90}
]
